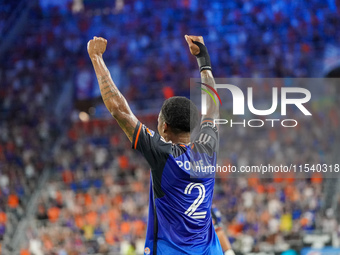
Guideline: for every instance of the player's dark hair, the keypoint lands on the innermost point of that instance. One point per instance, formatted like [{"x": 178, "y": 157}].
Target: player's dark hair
[{"x": 180, "y": 113}]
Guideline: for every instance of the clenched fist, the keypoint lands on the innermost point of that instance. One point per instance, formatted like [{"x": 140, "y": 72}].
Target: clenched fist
[
  {"x": 96, "y": 46},
  {"x": 194, "y": 49}
]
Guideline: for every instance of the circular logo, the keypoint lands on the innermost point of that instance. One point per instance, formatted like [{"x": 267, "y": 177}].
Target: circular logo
[{"x": 147, "y": 251}]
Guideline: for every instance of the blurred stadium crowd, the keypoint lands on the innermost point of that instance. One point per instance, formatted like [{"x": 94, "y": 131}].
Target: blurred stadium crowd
[{"x": 96, "y": 197}]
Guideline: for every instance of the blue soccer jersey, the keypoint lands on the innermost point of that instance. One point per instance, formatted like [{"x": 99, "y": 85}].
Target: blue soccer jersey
[{"x": 180, "y": 220}]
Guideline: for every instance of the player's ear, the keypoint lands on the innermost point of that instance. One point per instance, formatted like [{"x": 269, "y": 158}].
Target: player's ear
[{"x": 165, "y": 127}]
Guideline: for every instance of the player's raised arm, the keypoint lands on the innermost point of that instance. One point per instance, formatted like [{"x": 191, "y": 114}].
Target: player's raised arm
[
  {"x": 199, "y": 50},
  {"x": 113, "y": 99}
]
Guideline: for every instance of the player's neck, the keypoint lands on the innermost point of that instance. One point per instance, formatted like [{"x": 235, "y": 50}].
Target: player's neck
[{"x": 183, "y": 138}]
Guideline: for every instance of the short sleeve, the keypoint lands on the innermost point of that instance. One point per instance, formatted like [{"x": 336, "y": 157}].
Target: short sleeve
[
  {"x": 207, "y": 137},
  {"x": 153, "y": 147}
]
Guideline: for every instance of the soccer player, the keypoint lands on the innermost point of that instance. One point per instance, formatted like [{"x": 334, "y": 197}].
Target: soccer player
[{"x": 180, "y": 219}]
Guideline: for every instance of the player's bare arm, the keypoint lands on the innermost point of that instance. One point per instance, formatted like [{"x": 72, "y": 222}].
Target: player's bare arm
[
  {"x": 206, "y": 74},
  {"x": 224, "y": 241},
  {"x": 113, "y": 99}
]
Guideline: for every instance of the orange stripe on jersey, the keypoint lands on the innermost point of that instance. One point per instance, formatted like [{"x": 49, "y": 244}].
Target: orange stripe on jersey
[
  {"x": 182, "y": 145},
  {"x": 210, "y": 122},
  {"x": 207, "y": 121},
  {"x": 137, "y": 136}
]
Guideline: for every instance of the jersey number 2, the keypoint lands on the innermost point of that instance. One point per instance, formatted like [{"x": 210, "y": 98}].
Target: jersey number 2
[{"x": 193, "y": 207}]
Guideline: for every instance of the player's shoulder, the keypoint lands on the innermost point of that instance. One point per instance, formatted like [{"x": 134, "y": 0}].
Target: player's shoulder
[
  {"x": 206, "y": 140},
  {"x": 148, "y": 140},
  {"x": 179, "y": 149},
  {"x": 208, "y": 132}
]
